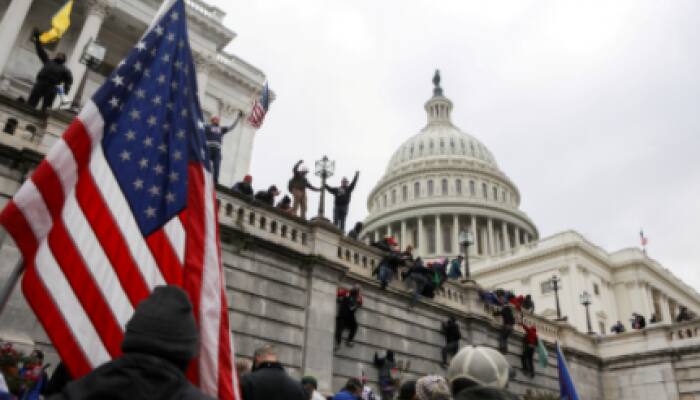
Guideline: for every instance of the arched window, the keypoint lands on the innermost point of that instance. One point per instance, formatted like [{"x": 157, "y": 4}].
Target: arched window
[
  {"x": 10, "y": 126},
  {"x": 485, "y": 190},
  {"x": 444, "y": 187},
  {"x": 472, "y": 188},
  {"x": 495, "y": 193},
  {"x": 458, "y": 186},
  {"x": 503, "y": 196},
  {"x": 416, "y": 190},
  {"x": 430, "y": 187},
  {"x": 393, "y": 196},
  {"x": 404, "y": 193}
]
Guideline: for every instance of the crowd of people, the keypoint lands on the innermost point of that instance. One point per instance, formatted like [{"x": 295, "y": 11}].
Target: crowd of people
[
  {"x": 296, "y": 202},
  {"x": 638, "y": 321}
]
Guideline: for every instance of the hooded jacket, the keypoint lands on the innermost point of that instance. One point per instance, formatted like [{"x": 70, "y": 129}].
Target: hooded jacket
[{"x": 160, "y": 340}]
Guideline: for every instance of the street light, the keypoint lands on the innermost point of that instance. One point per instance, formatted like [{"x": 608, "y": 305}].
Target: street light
[
  {"x": 325, "y": 168},
  {"x": 466, "y": 240},
  {"x": 92, "y": 56},
  {"x": 554, "y": 281},
  {"x": 585, "y": 299}
]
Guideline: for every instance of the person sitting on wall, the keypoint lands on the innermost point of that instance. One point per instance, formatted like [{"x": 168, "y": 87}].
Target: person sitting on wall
[
  {"x": 389, "y": 265},
  {"x": 617, "y": 328},
  {"x": 267, "y": 196},
  {"x": 244, "y": 187},
  {"x": 53, "y": 73},
  {"x": 388, "y": 374},
  {"x": 638, "y": 321},
  {"x": 355, "y": 231},
  {"x": 348, "y": 303},
  {"x": 450, "y": 330},
  {"x": 285, "y": 205},
  {"x": 684, "y": 315}
]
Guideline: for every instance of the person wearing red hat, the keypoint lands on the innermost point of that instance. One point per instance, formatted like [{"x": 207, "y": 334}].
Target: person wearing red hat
[{"x": 244, "y": 187}]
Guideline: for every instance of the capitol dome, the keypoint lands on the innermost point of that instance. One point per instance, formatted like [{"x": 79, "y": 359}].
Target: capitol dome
[{"x": 443, "y": 181}]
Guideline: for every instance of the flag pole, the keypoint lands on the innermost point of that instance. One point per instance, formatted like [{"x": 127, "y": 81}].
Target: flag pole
[{"x": 10, "y": 284}]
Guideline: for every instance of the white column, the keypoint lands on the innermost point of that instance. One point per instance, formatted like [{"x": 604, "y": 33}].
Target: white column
[
  {"x": 517, "y": 236},
  {"x": 203, "y": 63},
  {"x": 421, "y": 238},
  {"x": 472, "y": 226},
  {"x": 10, "y": 26},
  {"x": 663, "y": 305},
  {"x": 492, "y": 242},
  {"x": 96, "y": 13},
  {"x": 506, "y": 239},
  {"x": 455, "y": 235},
  {"x": 484, "y": 241},
  {"x": 376, "y": 235},
  {"x": 439, "y": 247},
  {"x": 404, "y": 239}
]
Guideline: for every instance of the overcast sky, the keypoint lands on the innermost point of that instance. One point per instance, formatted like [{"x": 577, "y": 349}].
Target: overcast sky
[{"x": 591, "y": 108}]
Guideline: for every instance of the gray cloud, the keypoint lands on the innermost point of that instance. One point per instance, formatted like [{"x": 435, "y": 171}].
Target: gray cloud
[{"x": 590, "y": 107}]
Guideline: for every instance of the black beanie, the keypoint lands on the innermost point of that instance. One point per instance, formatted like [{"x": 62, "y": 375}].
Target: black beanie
[{"x": 163, "y": 325}]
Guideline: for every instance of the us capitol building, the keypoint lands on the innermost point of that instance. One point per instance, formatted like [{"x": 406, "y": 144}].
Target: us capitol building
[{"x": 443, "y": 181}]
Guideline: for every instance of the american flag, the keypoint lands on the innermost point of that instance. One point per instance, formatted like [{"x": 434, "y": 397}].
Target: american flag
[
  {"x": 125, "y": 202},
  {"x": 260, "y": 107}
]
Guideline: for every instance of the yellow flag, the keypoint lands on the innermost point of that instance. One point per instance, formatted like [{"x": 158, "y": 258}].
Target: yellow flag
[{"x": 59, "y": 24}]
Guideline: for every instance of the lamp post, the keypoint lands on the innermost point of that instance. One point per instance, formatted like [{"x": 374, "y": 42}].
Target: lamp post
[
  {"x": 92, "y": 56},
  {"x": 466, "y": 240},
  {"x": 554, "y": 281},
  {"x": 585, "y": 299},
  {"x": 325, "y": 168}
]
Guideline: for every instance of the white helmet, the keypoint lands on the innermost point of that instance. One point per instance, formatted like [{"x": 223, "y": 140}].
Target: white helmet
[{"x": 478, "y": 365}]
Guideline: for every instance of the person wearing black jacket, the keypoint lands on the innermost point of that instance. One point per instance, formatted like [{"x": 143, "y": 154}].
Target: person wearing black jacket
[
  {"x": 215, "y": 134},
  {"x": 388, "y": 374},
  {"x": 53, "y": 73},
  {"x": 508, "y": 316},
  {"x": 355, "y": 231},
  {"x": 452, "y": 336},
  {"x": 244, "y": 187},
  {"x": 419, "y": 278},
  {"x": 269, "y": 380},
  {"x": 342, "y": 200},
  {"x": 389, "y": 265},
  {"x": 267, "y": 196},
  {"x": 160, "y": 340},
  {"x": 348, "y": 303}
]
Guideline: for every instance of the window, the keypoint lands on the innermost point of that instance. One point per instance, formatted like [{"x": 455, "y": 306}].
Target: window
[
  {"x": 495, "y": 193},
  {"x": 412, "y": 149},
  {"x": 430, "y": 187},
  {"x": 472, "y": 188},
  {"x": 452, "y": 144},
  {"x": 547, "y": 287},
  {"x": 471, "y": 146},
  {"x": 444, "y": 187},
  {"x": 393, "y": 196},
  {"x": 458, "y": 186},
  {"x": 384, "y": 200},
  {"x": 431, "y": 145},
  {"x": 416, "y": 190},
  {"x": 503, "y": 196},
  {"x": 485, "y": 190},
  {"x": 420, "y": 148},
  {"x": 404, "y": 192},
  {"x": 596, "y": 289}
]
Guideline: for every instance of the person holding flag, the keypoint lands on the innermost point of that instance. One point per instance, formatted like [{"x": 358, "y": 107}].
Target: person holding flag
[
  {"x": 123, "y": 203},
  {"x": 215, "y": 135},
  {"x": 53, "y": 73},
  {"x": 60, "y": 23}
]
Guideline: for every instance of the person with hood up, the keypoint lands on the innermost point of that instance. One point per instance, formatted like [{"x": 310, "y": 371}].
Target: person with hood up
[
  {"x": 53, "y": 73},
  {"x": 269, "y": 380},
  {"x": 388, "y": 374},
  {"x": 244, "y": 187},
  {"x": 348, "y": 303},
  {"x": 215, "y": 134},
  {"x": 297, "y": 186},
  {"x": 267, "y": 196},
  {"x": 160, "y": 340},
  {"x": 342, "y": 196},
  {"x": 351, "y": 391},
  {"x": 452, "y": 336}
]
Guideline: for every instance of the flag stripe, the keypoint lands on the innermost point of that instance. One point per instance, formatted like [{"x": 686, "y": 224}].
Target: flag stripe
[
  {"x": 170, "y": 266},
  {"x": 53, "y": 322},
  {"x": 29, "y": 201},
  {"x": 50, "y": 188},
  {"x": 101, "y": 269},
  {"x": 176, "y": 235},
  {"x": 63, "y": 164},
  {"x": 16, "y": 225},
  {"x": 83, "y": 285},
  {"x": 69, "y": 306}
]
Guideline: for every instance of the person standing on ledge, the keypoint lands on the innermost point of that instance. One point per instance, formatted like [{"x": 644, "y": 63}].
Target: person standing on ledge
[
  {"x": 215, "y": 134},
  {"x": 52, "y": 74},
  {"x": 342, "y": 196},
  {"x": 297, "y": 186}
]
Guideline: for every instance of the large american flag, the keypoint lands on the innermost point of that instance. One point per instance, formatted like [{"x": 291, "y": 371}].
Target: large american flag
[
  {"x": 125, "y": 202},
  {"x": 260, "y": 107}
]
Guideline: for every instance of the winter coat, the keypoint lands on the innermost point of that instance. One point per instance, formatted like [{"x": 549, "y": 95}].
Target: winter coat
[
  {"x": 455, "y": 269},
  {"x": 243, "y": 187},
  {"x": 344, "y": 395},
  {"x": 347, "y": 303},
  {"x": 215, "y": 134},
  {"x": 342, "y": 194},
  {"x": 451, "y": 332},
  {"x": 52, "y": 73},
  {"x": 530, "y": 334},
  {"x": 266, "y": 197},
  {"x": 507, "y": 314},
  {"x": 387, "y": 368},
  {"x": 299, "y": 181},
  {"x": 269, "y": 381}
]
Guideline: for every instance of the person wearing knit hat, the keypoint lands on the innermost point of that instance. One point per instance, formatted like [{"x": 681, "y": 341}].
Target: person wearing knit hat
[
  {"x": 432, "y": 387},
  {"x": 310, "y": 385},
  {"x": 407, "y": 391},
  {"x": 160, "y": 340},
  {"x": 244, "y": 187}
]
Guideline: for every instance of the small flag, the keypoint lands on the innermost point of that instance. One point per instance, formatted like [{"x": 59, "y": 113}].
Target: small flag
[
  {"x": 257, "y": 114},
  {"x": 567, "y": 389},
  {"x": 59, "y": 24},
  {"x": 643, "y": 238}
]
